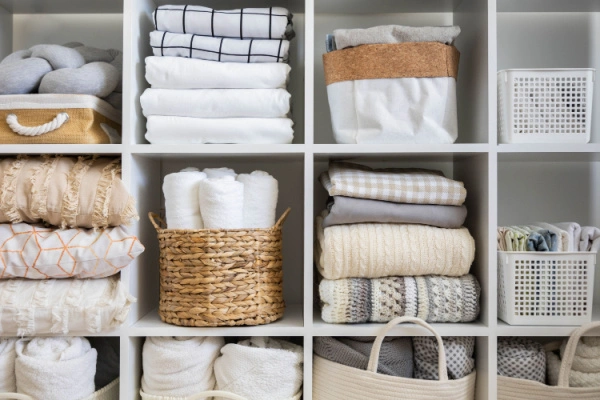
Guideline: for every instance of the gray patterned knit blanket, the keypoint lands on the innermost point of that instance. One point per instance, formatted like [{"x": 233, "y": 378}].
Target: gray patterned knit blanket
[{"x": 431, "y": 298}]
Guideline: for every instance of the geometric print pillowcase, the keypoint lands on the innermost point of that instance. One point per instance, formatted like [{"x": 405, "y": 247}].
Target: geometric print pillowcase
[{"x": 37, "y": 252}]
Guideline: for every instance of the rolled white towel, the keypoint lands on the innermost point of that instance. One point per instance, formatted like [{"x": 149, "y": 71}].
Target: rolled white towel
[
  {"x": 179, "y": 366},
  {"x": 8, "y": 382},
  {"x": 222, "y": 203},
  {"x": 55, "y": 368},
  {"x": 219, "y": 172},
  {"x": 260, "y": 199},
  {"x": 260, "y": 368},
  {"x": 590, "y": 239},
  {"x": 181, "y": 199}
]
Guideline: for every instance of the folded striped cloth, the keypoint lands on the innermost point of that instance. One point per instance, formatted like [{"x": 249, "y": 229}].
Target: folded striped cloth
[
  {"x": 431, "y": 298},
  {"x": 244, "y": 23},
  {"x": 219, "y": 49},
  {"x": 416, "y": 186}
]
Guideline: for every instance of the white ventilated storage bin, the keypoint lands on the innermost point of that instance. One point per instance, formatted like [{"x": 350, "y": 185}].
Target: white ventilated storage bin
[
  {"x": 545, "y": 105},
  {"x": 545, "y": 288}
]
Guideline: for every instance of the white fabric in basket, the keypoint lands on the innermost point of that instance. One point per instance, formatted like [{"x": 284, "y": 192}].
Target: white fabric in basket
[{"x": 400, "y": 110}]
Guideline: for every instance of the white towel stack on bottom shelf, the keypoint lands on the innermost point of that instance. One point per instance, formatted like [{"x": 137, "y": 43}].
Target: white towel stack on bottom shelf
[{"x": 219, "y": 79}]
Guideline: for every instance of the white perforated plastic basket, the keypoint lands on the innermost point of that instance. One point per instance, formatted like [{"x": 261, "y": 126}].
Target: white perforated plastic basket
[
  {"x": 545, "y": 288},
  {"x": 545, "y": 105}
]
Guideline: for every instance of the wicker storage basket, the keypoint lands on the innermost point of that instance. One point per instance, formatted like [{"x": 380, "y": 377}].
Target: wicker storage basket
[
  {"x": 218, "y": 277},
  {"x": 218, "y": 394},
  {"x": 108, "y": 392}
]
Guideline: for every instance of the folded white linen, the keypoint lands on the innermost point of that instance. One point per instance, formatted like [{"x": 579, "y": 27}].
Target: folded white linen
[
  {"x": 55, "y": 368},
  {"x": 590, "y": 239},
  {"x": 180, "y": 190},
  {"x": 179, "y": 366},
  {"x": 222, "y": 203},
  {"x": 217, "y": 103},
  {"x": 8, "y": 382},
  {"x": 573, "y": 229},
  {"x": 184, "y": 130},
  {"x": 268, "y": 23},
  {"x": 184, "y": 73},
  {"x": 260, "y": 368},
  {"x": 219, "y": 49},
  {"x": 219, "y": 172},
  {"x": 260, "y": 199}
]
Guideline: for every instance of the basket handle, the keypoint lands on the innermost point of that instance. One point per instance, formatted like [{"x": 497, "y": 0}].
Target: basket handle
[
  {"x": 216, "y": 393},
  {"x": 156, "y": 220},
  {"x": 16, "y": 127},
  {"x": 374, "y": 359},
  {"x": 569, "y": 354},
  {"x": 283, "y": 217},
  {"x": 15, "y": 396}
]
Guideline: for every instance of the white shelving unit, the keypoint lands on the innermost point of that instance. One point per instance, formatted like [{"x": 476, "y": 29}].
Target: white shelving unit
[{"x": 506, "y": 183}]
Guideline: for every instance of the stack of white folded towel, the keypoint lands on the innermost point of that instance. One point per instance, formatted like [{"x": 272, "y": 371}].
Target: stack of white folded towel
[
  {"x": 218, "y": 198},
  {"x": 218, "y": 76}
]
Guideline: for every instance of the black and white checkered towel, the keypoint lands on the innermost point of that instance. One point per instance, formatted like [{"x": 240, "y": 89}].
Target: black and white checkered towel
[
  {"x": 219, "y": 49},
  {"x": 245, "y": 23}
]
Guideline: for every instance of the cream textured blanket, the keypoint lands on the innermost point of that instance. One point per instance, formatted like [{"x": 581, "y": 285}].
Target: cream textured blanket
[
  {"x": 585, "y": 371},
  {"x": 379, "y": 250}
]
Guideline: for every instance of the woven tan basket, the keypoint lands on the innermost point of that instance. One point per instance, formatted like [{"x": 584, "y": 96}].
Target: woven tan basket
[{"x": 219, "y": 277}]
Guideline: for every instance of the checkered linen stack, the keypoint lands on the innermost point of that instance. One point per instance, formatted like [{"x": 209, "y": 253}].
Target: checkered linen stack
[{"x": 379, "y": 241}]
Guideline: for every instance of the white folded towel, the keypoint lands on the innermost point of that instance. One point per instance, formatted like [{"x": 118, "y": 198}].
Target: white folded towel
[
  {"x": 8, "y": 382},
  {"x": 217, "y": 103},
  {"x": 564, "y": 239},
  {"x": 178, "y": 366},
  {"x": 222, "y": 203},
  {"x": 182, "y": 73},
  {"x": 55, "y": 368},
  {"x": 260, "y": 199},
  {"x": 219, "y": 172},
  {"x": 590, "y": 239},
  {"x": 260, "y": 368},
  {"x": 573, "y": 229},
  {"x": 181, "y": 199}
]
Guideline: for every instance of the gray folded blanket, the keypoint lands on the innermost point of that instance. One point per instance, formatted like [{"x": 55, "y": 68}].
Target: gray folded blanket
[
  {"x": 69, "y": 69},
  {"x": 350, "y": 210},
  {"x": 459, "y": 356},
  {"x": 395, "y": 357},
  {"x": 108, "y": 361},
  {"x": 388, "y": 34},
  {"x": 521, "y": 358}
]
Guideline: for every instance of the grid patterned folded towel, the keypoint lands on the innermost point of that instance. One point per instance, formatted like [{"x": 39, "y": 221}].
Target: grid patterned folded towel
[
  {"x": 395, "y": 357},
  {"x": 219, "y": 49},
  {"x": 416, "y": 186},
  {"x": 521, "y": 358},
  {"x": 459, "y": 356},
  {"x": 245, "y": 23},
  {"x": 431, "y": 298}
]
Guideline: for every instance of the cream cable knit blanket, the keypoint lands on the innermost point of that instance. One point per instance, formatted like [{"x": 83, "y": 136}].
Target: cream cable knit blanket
[
  {"x": 432, "y": 298},
  {"x": 585, "y": 371},
  {"x": 379, "y": 250}
]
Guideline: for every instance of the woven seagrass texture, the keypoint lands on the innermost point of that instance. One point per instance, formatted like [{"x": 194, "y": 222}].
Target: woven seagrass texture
[{"x": 217, "y": 277}]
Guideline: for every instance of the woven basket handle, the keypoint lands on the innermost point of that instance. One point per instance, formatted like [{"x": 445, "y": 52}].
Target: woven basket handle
[
  {"x": 283, "y": 217},
  {"x": 569, "y": 354},
  {"x": 374, "y": 359},
  {"x": 15, "y": 396},
  {"x": 13, "y": 122},
  {"x": 216, "y": 393},
  {"x": 156, "y": 220}
]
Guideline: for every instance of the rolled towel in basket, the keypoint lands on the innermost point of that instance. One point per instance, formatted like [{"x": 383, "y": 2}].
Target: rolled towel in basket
[
  {"x": 585, "y": 370},
  {"x": 563, "y": 238},
  {"x": 521, "y": 358},
  {"x": 55, "y": 368},
  {"x": 387, "y": 34},
  {"x": 573, "y": 230},
  {"x": 260, "y": 199},
  {"x": 222, "y": 203},
  {"x": 219, "y": 172},
  {"x": 542, "y": 240},
  {"x": 8, "y": 382},
  {"x": 181, "y": 199},
  {"x": 431, "y": 298},
  {"x": 179, "y": 366},
  {"x": 395, "y": 357},
  {"x": 459, "y": 355},
  {"x": 380, "y": 250},
  {"x": 261, "y": 368},
  {"x": 590, "y": 239}
]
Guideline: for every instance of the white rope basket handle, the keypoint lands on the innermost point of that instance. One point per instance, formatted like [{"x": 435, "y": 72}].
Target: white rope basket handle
[
  {"x": 374, "y": 359},
  {"x": 569, "y": 354},
  {"x": 15, "y": 396},
  {"x": 57, "y": 122}
]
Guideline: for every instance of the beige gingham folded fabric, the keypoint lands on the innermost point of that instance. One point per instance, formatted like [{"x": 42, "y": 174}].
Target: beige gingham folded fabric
[{"x": 399, "y": 185}]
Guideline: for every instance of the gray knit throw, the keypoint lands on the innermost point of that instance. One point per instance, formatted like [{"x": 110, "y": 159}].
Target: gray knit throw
[
  {"x": 395, "y": 357},
  {"x": 459, "y": 356}
]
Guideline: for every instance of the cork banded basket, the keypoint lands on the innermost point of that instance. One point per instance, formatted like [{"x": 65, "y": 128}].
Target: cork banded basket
[{"x": 220, "y": 277}]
